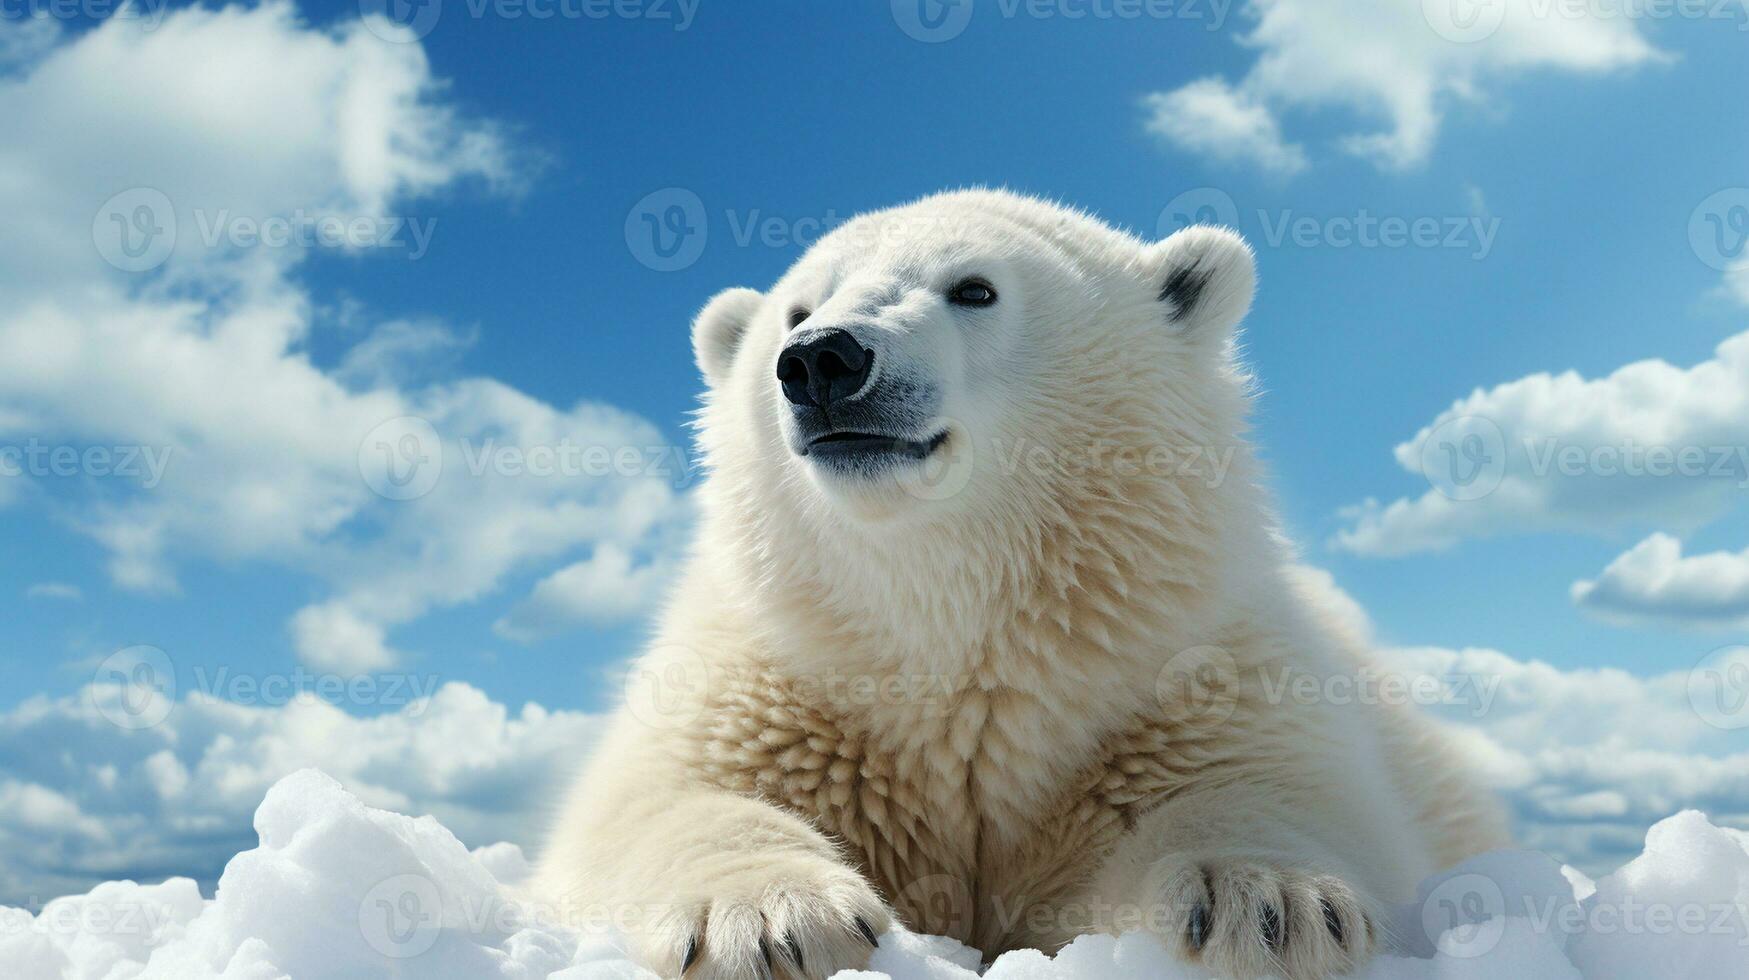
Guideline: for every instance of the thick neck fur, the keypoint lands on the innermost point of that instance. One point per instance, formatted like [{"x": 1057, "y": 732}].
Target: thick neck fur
[{"x": 1041, "y": 587}]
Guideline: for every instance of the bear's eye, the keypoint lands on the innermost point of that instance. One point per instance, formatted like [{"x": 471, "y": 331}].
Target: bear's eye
[
  {"x": 796, "y": 316},
  {"x": 972, "y": 292}
]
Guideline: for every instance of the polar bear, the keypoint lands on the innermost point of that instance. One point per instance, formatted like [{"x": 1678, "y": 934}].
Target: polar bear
[{"x": 988, "y": 631}]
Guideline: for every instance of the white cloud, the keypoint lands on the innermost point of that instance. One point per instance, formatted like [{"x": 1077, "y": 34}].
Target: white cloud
[
  {"x": 1650, "y": 446},
  {"x": 24, "y": 39},
  {"x": 176, "y": 797},
  {"x": 1653, "y": 582},
  {"x": 1581, "y": 784},
  {"x": 38, "y": 809},
  {"x": 1209, "y": 117},
  {"x": 239, "y": 115},
  {"x": 606, "y": 588},
  {"x": 398, "y": 351},
  {"x": 54, "y": 590},
  {"x": 1737, "y": 282},
  {"x": 333, "y": 637},
  {"x": 1402, "y": 63}
]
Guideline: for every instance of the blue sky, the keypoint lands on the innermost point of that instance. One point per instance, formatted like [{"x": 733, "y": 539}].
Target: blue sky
[{"x": 1571, "y": 154}]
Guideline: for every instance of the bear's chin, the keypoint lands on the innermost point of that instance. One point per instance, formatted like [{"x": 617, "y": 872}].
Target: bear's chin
[
  {"x": 896, "y": 493},
  {"x": 895, "y": 487},
  {"x": 874, "y": 497}
]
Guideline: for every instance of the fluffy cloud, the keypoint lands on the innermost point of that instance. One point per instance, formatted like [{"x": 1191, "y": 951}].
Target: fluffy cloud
[
  {"x": 175, "y": 797},
  {"x": 608, "y": 587},
  {"x": 1653, "y": 582},
  {"x": 1650, "y": 446},
  {"x": 1401, "y": 62},
  {"x": 146, "y": 787},
  {"x": 1209, "y": 117},
  {"x": 1582, "y": 785},
  {"x": 182, "y": 339}
]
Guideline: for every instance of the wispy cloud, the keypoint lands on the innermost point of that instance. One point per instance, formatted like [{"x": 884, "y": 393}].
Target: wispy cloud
[{"x": 54, "y": 590}]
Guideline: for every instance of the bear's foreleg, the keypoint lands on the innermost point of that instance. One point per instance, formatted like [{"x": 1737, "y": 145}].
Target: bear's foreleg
[
  {"x": 709, "y": 884},
  {"x": 1225, "y": 878}
]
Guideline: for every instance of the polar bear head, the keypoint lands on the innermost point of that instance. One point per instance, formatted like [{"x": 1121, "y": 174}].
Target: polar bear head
[{"x": 962, "y": 397}]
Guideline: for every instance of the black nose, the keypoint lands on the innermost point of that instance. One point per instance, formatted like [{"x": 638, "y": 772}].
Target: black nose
[{"x": 823, "y": 369}]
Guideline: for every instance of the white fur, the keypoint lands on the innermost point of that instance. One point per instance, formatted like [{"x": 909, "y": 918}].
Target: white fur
[{"x": 957, "y": 693}]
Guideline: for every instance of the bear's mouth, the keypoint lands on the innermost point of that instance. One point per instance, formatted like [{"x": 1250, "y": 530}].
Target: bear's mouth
[{"x": 850, "y": 445}]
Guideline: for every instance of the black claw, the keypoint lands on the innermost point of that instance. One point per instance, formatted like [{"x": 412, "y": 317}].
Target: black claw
[
  {"x": 1333, "y": 922},
  {"x": 1272, "y": 932},
  {"x": 691, "y": 955},
  {"x": 795, "y": 952},
  {"x": 1198, "y": 932},
  {"x": 868, "y": 934}
]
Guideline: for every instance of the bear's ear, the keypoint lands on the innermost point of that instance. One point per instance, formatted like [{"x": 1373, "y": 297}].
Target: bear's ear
[
  {"x": 1204, "y": 277},
  {"x": 717, "y": 331}
]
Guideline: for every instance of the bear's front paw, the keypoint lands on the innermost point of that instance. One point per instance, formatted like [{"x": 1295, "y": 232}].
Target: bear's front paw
[
  {"x": 1258, "y": 917},
  {"x": 785, "y": 917}
]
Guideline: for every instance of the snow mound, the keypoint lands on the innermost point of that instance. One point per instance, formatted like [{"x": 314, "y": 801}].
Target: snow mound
[{"x": 338, "y": 890}]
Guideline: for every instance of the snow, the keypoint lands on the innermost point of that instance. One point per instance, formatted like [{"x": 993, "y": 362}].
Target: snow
[{"x": 338, "y": 890}]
